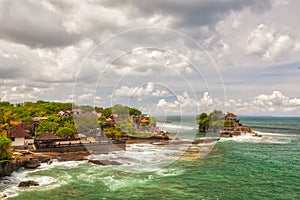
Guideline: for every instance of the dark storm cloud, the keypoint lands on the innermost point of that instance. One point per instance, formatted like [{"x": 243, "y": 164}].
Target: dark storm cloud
[
  {"x": 44, "y": 43},
  {"x": 33, "y": 24},
  {"x": 44, "y": 24},
  {"x": 188, "y": 13}
]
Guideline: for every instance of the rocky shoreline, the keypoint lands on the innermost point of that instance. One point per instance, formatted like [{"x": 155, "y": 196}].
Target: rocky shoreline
[
  {"x": 32, "y": 160},
  {"x": 8, "y": 167}
]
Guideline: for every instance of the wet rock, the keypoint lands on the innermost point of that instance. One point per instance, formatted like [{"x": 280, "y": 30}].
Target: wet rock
[
  {"x": 28, "y": 183},
  {"x": 115, "y": 163},
  {"x": 72, "y": 156},
  {"x": 5, "y": 180},
  {"x": 44, "y": 159},
  {"x": 6, "y": 168},
  {"x": 50, "y": 162},
  {"x": 104, "y": 162},
  {"x": 32, "y": 164}
]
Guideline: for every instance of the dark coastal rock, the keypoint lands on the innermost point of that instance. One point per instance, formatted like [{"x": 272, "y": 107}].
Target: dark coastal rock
[
  {"x": 257, "y": 135},
  {"x": 161, "y": 135},
  {"x": 104, "y": 162},
  {"x": 28, "y": 183},
  {"x": 72, "y": 156},
  {"x": 32, "y": 164},
  {"x": 50, "y": 162},
  {"x": 5, "y": 180},
  {"x": 32, "y": 161},
  {"x": 44, "y": 159},
  {"x": 8, "y": 167},
  {"x": 115, "y": 163}
]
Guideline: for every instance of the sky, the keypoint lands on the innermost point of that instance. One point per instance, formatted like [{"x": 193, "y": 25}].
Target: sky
[{"x": 161, "y": 56}]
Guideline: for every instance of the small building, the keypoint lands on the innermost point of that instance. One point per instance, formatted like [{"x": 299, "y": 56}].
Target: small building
[
  {"x": 99, "y": 113},
  {"x": 109, "y": 122},
  {"x": 21, "y": 134},
  {"x": 81, "y": 137},
  {"x": 46, "y": 140},
  {"x": 66, "y": 113},
  {"x": 144, "y": 119},
  {"x": 35, "y": 119},
  {"x": 77, "y": 111}
]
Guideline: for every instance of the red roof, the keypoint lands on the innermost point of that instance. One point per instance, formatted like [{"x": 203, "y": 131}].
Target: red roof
[
  {"x": 144, "y": 120},
  {"x": 110, "y": 121},
  {"x": 20, "y": 130}
]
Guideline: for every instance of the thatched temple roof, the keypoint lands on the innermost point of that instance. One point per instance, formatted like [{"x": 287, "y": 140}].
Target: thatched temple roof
[
  {"x": 48, "y": 136},
  {"x": 20, "y": 130}
]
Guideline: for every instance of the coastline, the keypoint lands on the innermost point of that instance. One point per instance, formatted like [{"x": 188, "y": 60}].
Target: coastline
[{"x": 33, "y": 159}]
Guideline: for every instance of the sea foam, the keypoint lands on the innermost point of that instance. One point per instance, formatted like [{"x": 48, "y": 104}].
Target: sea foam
[
  {"x": 9, "y": 184},
  {"x": 164, "y": 126},
  {"x": 266, "y": 138}
]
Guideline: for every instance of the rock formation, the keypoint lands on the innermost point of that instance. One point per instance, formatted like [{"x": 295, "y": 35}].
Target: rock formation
[
  {"x": 233, "y": 127},
  {"x": 28, "y": 183},
  {"x": 104, "y": 162},
  {"x": 31, "y": 164}
]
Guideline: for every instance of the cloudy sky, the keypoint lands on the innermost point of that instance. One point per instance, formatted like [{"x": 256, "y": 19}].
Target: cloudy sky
[{"x": 163, "y": 56}]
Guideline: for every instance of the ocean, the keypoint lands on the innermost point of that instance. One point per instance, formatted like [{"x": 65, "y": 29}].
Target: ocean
[{"x": 243, "y": 167}]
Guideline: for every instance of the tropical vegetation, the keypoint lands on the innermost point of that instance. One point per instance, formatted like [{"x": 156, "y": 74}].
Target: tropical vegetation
[
  {"x": 62, "y": 125},
  {"x": 213, "y": 121}
]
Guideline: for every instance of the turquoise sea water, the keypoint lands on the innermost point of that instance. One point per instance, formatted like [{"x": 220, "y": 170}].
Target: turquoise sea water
[{"x": 243, "y": 167}]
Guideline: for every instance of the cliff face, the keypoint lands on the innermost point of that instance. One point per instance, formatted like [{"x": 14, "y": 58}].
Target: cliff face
[{"x": 8, "y": 167}]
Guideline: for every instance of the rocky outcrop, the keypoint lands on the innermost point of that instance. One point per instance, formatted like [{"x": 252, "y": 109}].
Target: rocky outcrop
[
  {"x": 104, "y": 162},
  {"x": 28, "y": 183},
  {"x": 44, "y": 159},
  {"x": 71, "y": 156},
  {"x": 8, "y": 167},
  {"x": 236, "y": 131},
  {"x": 31, "y": 164},
  {"x": 161, "y": 135},
  {"x": 233, "y": 127}
]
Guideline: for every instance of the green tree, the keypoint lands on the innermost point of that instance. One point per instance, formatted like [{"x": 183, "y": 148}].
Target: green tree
[
  {"x": 85, "y": 123},
  {"x": 107, "y": 112},
  {"x": 121, "y": 111},
  {"x": 230, "y": 120},
  {"x": 216, "y": 119},
  {"x": 113, "y": 132},
  {"x": 134, "y": 111},
  {"x": 152, "y": 121},
  {"x": 5, "y": 143},
  {"x": 101, "y": 120},
  {"x": 203, "y": 121},
  {"x": 65, "y": 131},
  {"x": 47, "y": 125}
]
